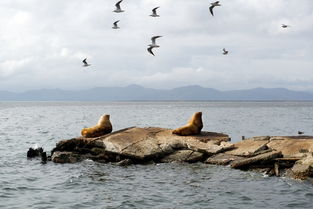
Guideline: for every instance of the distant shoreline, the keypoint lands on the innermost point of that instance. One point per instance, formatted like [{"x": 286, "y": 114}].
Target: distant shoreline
[{"x": 159, "y": 101}]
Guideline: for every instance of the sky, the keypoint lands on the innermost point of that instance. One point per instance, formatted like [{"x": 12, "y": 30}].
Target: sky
[{"x": 43, "y": 44}]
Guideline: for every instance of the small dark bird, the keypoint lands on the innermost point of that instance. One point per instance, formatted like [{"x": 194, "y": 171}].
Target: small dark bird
[
  {"x": 150, "y": 50},
  {"x": 115, "y": 26},
  {"x": 154, "y": 12},
  {"x": 118, "y": 7},
  {"x": 300, "y": 132},
  {"x": 285, "y": 26},
  {"x": 225, "y": 52},
  {"x": 85, "y": 63},
  {"x": 214, "y": 4}
]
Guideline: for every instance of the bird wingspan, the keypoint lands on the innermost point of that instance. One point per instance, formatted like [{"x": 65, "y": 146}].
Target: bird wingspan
[
  {"x": 211, "y": 10},
  {"x": 154, "y": 38},
  {"x": 154, "y": 10},
  {"x": 150, "y": 50},
  {"x": 118, "y": 4}
]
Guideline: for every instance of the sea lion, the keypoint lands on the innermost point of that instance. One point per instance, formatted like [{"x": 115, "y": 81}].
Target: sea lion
[
  {"x": 103, "y": 127},
  {"x": 193, "y": 126}
]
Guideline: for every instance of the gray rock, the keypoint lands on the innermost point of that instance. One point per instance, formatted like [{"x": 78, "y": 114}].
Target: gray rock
[
  {"x": 262, "y": 158},
  {"x": 67, "y": 157},
  {"x": 183, "y": 156},
  {"x": 222, "y": 159}
]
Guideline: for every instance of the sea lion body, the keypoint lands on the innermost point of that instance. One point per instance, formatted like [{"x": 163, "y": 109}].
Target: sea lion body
[
  {"x": 193, "y": 127},
  {"x": 103, "y": 127}
]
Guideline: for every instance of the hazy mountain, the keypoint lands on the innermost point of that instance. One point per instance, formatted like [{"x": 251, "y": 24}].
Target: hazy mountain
[{"x": 139, "y": 93}]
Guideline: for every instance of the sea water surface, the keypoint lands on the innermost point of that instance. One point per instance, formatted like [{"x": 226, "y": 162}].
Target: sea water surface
[{"x": 29, "y": 184}]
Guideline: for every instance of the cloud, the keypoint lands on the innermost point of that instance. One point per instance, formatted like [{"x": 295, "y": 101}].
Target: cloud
[{"x": 43, "y": 48}]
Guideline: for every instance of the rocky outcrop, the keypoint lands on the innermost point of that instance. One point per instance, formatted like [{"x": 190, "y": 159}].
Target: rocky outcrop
[
  {"x": 280, "y": 156},
  {"x": 141, "y": 145}
]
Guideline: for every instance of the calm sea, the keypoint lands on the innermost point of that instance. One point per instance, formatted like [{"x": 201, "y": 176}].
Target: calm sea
[{"x": 29, "y": 184}]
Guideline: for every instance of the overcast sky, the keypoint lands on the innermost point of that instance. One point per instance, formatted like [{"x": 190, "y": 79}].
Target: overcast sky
[{"x": 43, "y": 43}]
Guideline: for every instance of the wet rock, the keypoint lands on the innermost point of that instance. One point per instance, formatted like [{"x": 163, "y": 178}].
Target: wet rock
[
  {"x": 125, "y": 162},
  {"x": 44, "y": 157},
  {"x": 67, "y": 157},
  {"x": 248, "y": 147},
  {"x": 303, "y": 168},
  {"x": 183, "y": 156},
  {"x": 262, "y": 159},
  {"x": 222, "y": 159},
  {"x": 34, "y": 152}
]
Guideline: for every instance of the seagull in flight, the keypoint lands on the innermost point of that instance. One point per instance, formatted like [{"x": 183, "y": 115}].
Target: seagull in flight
[
  {"x": 153, "y": 40},
  {"x": 115, "y": 26},
  {"x": 154, "y": 12},
  {"x": 225, "y": 52},
  {"x": 85, "y": 63},
  {"x": 285, "y": 26},
  {"x": 118, "y": 7},
  {"x": 214, "y": 4}
]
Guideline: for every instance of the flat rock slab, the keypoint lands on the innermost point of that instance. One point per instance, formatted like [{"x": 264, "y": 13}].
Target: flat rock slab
[
  {"x": 263, "y": 158},
  {"x": 222, "y": 159},
  {"x": 183, "y": 156},
  {"x": 292, "y": 146},
  {"x": 248, "y": 147}
]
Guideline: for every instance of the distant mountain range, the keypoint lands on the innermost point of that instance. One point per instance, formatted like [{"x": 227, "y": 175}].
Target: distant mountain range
[{"x": 139, "y": 93}]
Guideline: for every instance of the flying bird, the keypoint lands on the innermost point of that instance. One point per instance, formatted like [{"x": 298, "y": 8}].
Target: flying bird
[
  {"x": 115, "y": 26},
  {"x": 285, "y": 26},
  {"x": 85, "y": 63},
  {"x": 154, "y": 12},
  {"x": 150, "y": 49},
  {"x": 153, "y": 40},
  {"x": 214, "y": 4},
  {"x": 118, "y": 7},
  {"x": 225, "y": 52}
]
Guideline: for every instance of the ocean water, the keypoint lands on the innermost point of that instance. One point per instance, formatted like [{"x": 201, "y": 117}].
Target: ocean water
[{"x": 29, "y": 184}]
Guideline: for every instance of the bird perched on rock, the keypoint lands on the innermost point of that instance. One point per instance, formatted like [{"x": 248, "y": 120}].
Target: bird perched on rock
[
  {"x": 154, "y": 12},
  {"x": 225, "y": 52},
  {"x": 214, "y": 4},
  {"x": 115, "y": 26},
  {"x": 118, "y": 7},
  {"x": 85, "y": 63}
]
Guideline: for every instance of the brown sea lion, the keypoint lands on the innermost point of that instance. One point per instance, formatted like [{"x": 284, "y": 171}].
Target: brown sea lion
[
  {"x": 193, "y": 126},
  {"x": 103, "y": 127}
]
